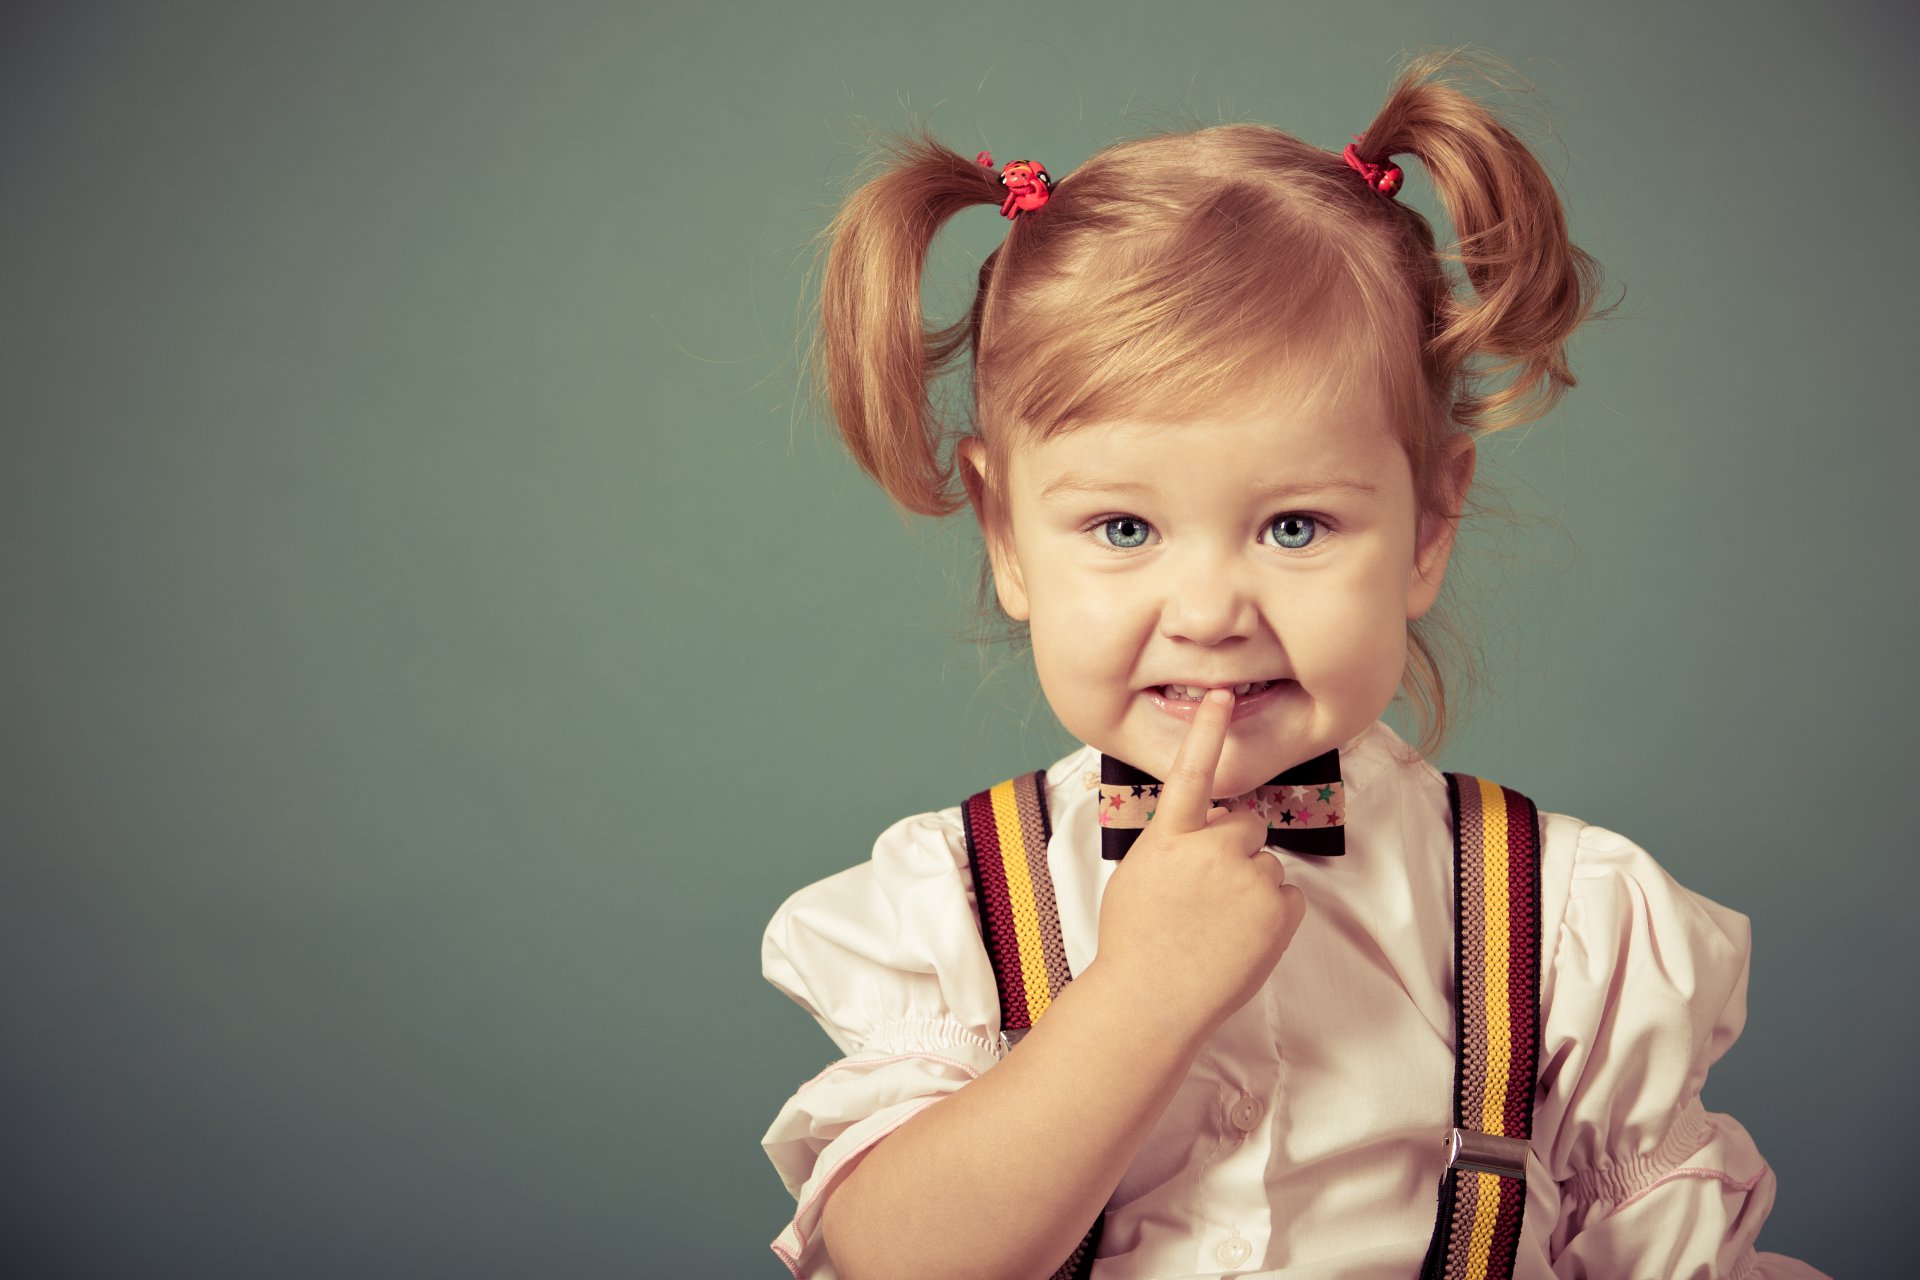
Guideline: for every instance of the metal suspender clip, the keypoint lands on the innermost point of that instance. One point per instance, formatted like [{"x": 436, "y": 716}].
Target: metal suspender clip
[{"x": 1486, "y": 1153}]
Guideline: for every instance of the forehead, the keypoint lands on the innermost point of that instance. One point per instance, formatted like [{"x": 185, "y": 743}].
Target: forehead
[{"x": 1272, "y": 435}]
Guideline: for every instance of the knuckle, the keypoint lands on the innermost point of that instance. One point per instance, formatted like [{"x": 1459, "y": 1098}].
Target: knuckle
[{"x": 1230, "y": 842}]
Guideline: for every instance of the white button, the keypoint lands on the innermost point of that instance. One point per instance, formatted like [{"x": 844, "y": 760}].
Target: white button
[
  {"x": 1233, "y": 1251},
  {"x": 1245, "y": 1114}
]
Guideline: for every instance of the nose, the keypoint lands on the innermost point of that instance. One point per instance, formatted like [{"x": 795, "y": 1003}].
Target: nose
[{"x": 1209, "y": 598}]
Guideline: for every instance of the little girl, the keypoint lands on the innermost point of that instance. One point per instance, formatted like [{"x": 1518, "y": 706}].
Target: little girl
[{"x": 1221, "y": 991}]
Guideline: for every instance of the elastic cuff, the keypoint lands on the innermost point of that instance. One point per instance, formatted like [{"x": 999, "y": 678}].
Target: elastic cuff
[
  {"x": 1688, "y": 1133},
  {"x": 930, "y": 1034}
]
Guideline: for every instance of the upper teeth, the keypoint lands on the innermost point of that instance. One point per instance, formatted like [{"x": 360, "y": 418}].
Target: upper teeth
[{"x": 1197, "y": 692}]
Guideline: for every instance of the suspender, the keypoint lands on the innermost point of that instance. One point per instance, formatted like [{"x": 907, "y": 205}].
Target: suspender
[
  {"x": 1496, "y": 859},
  {"x": 1496, "y": 1030},
  {"x": 1007, "y": 830}
]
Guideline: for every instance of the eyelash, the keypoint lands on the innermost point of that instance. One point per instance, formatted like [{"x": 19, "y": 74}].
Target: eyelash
[{"x": 1322, "y": 528}]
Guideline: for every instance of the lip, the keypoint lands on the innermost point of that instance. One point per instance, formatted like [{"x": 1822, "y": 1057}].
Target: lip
[{"x": 1251, "y": 705}]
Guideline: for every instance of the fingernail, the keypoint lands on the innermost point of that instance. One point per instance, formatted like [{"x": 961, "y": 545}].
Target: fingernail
[{"x": 1219, "y": 696}]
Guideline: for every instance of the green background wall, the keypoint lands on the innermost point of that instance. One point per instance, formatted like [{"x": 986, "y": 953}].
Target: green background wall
[{"x": 426, "y": 600}]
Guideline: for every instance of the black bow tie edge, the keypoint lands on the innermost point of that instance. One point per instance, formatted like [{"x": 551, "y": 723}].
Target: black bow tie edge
[{"x": 1306, "y": 806}]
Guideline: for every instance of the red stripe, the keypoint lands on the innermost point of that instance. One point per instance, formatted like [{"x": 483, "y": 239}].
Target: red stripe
[
  {"x": 1523, "y": 959},
  {"x": 997, "y": 904}
]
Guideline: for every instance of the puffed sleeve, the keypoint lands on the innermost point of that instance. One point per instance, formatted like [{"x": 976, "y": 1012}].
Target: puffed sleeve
[
  {"x": 1649, "y": 991},
  {"x": 887, "y": 956}
]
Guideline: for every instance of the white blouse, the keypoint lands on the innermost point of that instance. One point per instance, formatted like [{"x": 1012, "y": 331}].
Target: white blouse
[{"x": 1305, "y": 1141}]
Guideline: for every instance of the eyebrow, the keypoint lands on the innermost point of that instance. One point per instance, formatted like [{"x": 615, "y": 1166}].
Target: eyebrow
[{"x": 1073, "y": 482}]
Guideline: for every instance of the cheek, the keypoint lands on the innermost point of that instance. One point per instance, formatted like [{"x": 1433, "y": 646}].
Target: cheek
[
  {"x": 1069, "y": 603},
  {"x": 1085, "y": 640},
  {"x": 1354, "y": 628}
]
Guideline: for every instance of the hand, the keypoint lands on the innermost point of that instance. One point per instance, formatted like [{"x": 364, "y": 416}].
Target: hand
[{"x": 1198, "y": 913}]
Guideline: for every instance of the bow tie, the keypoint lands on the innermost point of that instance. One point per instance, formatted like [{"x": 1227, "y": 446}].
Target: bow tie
[{"x": 1305, "y": 807}]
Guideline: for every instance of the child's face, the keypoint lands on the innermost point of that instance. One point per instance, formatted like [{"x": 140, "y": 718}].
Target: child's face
[{"x": 1217, "y": 582}]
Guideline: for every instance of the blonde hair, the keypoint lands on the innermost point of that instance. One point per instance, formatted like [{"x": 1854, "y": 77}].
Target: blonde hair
[{"x": 1164, "y": 268}]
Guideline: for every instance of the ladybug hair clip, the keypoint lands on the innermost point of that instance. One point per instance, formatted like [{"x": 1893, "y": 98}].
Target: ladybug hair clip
[{"x": 1027, "y": 184}]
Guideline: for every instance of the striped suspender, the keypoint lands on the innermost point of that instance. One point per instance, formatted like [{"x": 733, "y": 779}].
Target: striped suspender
[
  {"x": 1007, "y": 830},
  {"x": 1496, "y": 1032},
  {"x": 1496, "y": 846}
]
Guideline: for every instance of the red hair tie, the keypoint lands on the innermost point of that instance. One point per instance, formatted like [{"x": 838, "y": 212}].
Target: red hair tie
[
  {"x": 1385, "y": 179},
  {"x": 1027, "y": 183}
]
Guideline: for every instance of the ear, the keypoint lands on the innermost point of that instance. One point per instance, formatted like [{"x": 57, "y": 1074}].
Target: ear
[
  {"x": 995, "y": 530},
  {"x": 1434, "y": 544}
]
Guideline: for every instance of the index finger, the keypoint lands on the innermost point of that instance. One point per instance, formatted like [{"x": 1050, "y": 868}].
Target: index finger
[{"x": 1187, "y": 793}]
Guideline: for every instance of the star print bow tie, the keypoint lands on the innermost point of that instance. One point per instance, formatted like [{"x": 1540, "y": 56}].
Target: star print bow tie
[{"x": 1305, "y": 807}]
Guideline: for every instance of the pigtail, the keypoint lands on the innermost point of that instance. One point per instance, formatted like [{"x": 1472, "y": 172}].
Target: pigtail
[
  {"x": 1531, "y": 285},
  {"x": 871, "y": 355}
]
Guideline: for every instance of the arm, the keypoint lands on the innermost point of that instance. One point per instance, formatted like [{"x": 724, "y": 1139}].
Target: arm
[
  {"x": 1072, "y": 1104},
  {"x": 1651, "y": 990}
]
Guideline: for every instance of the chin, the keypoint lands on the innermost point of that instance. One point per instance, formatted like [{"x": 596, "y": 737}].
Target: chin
[{"x": 1244, "y": 779}]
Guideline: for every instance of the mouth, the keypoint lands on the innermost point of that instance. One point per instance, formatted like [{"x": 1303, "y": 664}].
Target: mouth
[
  {"x": 1195, "y": 692},
  {"x": 1182, "y": 700}
]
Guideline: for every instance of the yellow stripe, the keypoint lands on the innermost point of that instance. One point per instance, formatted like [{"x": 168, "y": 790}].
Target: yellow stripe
[
  {"x": 1486, "y": 1203},
  {"x": 1493, "y": 811},
  {"x": 1026, "y": 914}
]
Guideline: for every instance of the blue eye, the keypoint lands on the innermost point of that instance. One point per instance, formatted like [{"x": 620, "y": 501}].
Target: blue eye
[
  {"x": 1296, "y": 518},
  {"x": 1134, "y": 528}
]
